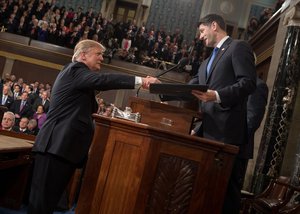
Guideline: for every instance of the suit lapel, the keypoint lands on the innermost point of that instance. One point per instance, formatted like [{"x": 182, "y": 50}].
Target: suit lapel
[
  {"x": 222, "y": 50},
  {"x": 202, "y": 73}
]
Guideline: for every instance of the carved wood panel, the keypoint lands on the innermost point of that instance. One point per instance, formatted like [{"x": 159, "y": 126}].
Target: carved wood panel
[{"x": 173, "y": 184}]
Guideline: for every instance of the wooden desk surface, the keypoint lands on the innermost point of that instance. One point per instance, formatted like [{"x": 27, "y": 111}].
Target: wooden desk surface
[{"x": 8, "y": 144}]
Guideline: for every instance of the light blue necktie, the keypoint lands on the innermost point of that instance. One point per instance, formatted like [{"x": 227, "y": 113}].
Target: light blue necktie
[
  {"x": 214, "y": 53},
  {"x": 3, "y": 100}
]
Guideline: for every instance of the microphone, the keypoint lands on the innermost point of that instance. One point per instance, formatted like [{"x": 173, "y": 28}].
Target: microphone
[{"x": 182, "y": 62}]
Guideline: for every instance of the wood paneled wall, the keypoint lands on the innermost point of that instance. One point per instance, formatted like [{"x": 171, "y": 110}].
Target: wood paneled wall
[{"x": 263, "y": 45}]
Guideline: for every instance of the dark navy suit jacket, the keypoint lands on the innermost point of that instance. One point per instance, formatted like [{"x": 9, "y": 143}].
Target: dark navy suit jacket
[
  {"x": 68, "y": 130},
  {"x": 233, "y": 76},
  {"x": 256, "y": 106}
]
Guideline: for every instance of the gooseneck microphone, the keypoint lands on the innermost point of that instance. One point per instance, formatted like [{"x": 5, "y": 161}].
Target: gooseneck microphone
[{"x": 181, "y": 64}]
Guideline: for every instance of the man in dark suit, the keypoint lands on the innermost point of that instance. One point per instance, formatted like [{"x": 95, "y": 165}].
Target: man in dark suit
[
  {"x": 32, "y": 96},
  {"x": 16, "y": 91},
  {"x": 256, "y": 106},
  {"x": 6, "y": 100},
  {"x": 43, "y": 100},
  {"x": 63, "y": 142},
  {"x": 230, "y": 76},
  {"x": 22, "y": 126},
  {"x": 22, "y": 108}
]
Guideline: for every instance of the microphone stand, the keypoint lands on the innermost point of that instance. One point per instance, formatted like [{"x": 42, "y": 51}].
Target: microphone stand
[
  {"x": 183, "y": 62},
  {"x": 170, "y": 69},
  {"x": 157, "y": 76}
]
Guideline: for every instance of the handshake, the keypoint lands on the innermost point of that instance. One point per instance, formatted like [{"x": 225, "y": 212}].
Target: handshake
[{"x": 149, "y": 80}]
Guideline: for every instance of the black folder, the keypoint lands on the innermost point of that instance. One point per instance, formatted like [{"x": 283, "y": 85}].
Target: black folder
[{"x": 175, "y": 89}]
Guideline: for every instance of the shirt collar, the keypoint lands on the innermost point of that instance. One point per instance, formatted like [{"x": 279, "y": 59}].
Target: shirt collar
[{"x": 222, "y": 42}]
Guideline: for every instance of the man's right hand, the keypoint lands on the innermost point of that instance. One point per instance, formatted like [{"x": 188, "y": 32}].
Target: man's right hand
[{"x": 149, "y": 80}]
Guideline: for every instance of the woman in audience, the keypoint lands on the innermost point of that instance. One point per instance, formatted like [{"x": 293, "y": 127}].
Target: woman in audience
[{"x": 40, "y": 116}]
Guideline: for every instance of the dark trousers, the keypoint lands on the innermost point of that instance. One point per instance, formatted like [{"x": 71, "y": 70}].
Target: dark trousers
[
  {"x": 232, "y": 199},
  {"x": 51, "y": 176}
]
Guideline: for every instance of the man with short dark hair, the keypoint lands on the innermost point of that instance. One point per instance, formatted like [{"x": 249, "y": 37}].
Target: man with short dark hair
[
  {"x": 42, "y": 100},
  {"x": 22, "y": 127},
  {"x": 230, "y": 75},
  {"x": 17, "y": 91},
  {"x": 22, "y": 107}
]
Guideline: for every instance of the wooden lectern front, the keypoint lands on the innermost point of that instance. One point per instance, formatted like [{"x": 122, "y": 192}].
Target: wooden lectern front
[
  {"x": 154, "y": 113},
  {"x": 137, "y": 168},
  {"x": 15, "y": 166}
]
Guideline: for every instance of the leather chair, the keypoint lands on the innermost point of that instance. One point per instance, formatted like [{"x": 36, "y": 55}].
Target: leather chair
[
  {"x": 275, "y": 196},
  {"x": 3, "y": 109},
  {"x": 293, "y": 206},
  {"x": 290, "y": 209}
]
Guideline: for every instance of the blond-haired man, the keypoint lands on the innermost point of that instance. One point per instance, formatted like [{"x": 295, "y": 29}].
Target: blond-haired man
[{"x": 63, "y": 142}]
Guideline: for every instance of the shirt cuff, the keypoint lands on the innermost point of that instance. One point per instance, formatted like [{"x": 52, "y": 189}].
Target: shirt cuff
[
  {"x": 138, "y": 81},
  {"x": 218, "y": 97}
]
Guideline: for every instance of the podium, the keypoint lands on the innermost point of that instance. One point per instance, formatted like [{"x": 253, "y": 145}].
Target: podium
[
  {"x": 15, "y": 167},
  {"x": 154, "y": 114},
  {"x": 138, "y": 168}
]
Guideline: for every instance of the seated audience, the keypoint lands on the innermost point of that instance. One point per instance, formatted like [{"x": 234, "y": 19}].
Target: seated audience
[
  {"x": 17, "y": 91},
  {"x": 265, "y": 16},
  {"x": 32, "y": 96},
  {"x": 22, "y": 108},
  {"x": 22, "y": 127},
  {"x": 8, "y": 121},
  {"x": 42, "y": 100},
  {"x": 40, "y": 116},
  {"x": 6, "y": 99},
  {"x": 32, "y": 127},
  {"x": 253, "y": 26}
]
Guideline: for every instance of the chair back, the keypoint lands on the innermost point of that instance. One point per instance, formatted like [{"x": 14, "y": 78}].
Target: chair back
[
  {"x": 3, "y": 109},
  {"x": 280, "y": 188}
]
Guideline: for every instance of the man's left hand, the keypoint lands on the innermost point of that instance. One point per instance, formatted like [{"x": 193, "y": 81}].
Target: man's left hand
[{"x": 208, "y": 96}]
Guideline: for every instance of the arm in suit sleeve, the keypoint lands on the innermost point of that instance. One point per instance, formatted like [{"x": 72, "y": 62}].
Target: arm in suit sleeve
[
  {"x": 243, "y": 66},
  {"x": 256, "y": 106},
  {"x": 84, "y": 78}
]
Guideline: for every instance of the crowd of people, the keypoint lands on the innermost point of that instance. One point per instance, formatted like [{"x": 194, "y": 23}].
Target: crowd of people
[
  {"x": 25, "y": 105},
  {"x": 45, "y": 21},
  {"x": 255, "y": 23},
  {"x": 229, "y": 73}
]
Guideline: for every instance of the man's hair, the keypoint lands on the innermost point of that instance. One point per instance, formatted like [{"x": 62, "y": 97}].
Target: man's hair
[
  {"x": 84, "y": 46},
  {"x": 11, "y": 114},
  {"x": 210, "y": 18},
  {"x": 32, "y": 122}
]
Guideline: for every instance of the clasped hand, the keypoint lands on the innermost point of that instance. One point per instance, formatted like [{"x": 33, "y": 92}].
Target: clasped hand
[
  {"x": 208, "y": 96},
  {"x": 149, "y": 80}
]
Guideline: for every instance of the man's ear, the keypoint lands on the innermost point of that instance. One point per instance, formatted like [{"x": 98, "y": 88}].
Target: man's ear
[
  {"x": 214, "y": 25},
  {"x": 82, "y": 56}
]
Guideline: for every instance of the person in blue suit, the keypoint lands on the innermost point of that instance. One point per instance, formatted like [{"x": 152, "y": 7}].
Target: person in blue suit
[
  {"x": 63, "y": 142},
  {"x": 230, "y": 75},
  {"x": 256, "y": 106}
]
